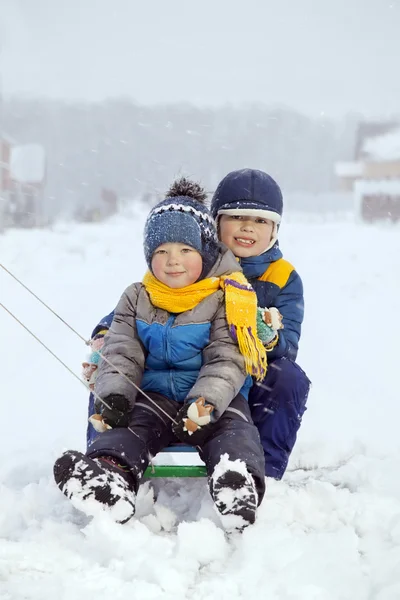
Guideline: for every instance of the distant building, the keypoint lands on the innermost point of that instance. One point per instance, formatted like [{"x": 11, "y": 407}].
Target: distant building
[
  {"x": 22, "y": 182},
  {"x": 5, "y": 154},
  {"x": 5, "y": 182},
  {"x": 374, "y": 174}
]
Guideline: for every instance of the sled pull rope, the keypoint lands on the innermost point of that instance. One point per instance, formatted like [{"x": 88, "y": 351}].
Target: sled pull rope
[
  {"x": 86, "y": 342},
  {"x": 51, "y": 352},
  {"x": 44, "y": 304},
  {"x": 59, "y": 360},
  {"x": 77, "y": 377}
]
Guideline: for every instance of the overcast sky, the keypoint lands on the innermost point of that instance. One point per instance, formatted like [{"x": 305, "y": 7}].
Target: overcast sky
[{"x": 319, "y": 56}]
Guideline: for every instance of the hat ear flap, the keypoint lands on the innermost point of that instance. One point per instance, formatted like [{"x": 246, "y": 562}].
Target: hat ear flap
[{"x": 274, "y": 237}]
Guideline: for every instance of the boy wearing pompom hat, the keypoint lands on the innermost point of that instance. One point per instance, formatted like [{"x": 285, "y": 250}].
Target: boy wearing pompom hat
[
  {"x": 247, "y": 205},
  {"x": 186, "y": 335}
]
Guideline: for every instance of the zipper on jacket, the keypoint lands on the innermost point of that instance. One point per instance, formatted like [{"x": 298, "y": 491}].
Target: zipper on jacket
[
  {"x": 168, "y": 356},
  {"x": 166, "y": 338},
  {"x": 173, "y": 387}
]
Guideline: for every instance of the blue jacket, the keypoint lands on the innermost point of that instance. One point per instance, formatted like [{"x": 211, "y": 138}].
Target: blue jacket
[
  {"x": 278, "y": 284},
  {"x": 185, "y": 355}
]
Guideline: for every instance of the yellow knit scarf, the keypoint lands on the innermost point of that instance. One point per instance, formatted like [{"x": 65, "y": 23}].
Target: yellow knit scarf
[{"x": 240, "y": 307}]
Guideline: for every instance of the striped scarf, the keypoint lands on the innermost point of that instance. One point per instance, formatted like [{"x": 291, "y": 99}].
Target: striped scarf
[{"x": 240, "y": 307}]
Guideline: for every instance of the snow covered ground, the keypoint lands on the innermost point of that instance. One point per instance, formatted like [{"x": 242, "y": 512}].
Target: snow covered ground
[{"x": 329, "y": 531}]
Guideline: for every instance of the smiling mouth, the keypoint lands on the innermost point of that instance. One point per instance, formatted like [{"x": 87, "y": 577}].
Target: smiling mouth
[
  {"x": 175, "y": 273},
  {"x": 245, "y": 241}
]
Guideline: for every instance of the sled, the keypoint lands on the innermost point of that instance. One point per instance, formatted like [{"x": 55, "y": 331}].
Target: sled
[{"x": 177, "y": 469}]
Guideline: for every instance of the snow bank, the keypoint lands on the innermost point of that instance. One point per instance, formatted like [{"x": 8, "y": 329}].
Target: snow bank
[{"x": 329, "y": 531}]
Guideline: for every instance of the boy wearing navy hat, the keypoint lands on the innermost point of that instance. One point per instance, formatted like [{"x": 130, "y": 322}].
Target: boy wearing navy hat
[{"x": 247, "y": 205}]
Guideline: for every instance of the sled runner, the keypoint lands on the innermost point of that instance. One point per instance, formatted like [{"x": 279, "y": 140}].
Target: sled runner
[{"x": 176, "y": 469}]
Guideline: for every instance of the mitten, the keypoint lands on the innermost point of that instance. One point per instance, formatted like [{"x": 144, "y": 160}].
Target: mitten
[
  {"x": 115, "y": 412},
  {"x": 91, "y": 364},
  {"x": 193, "y": 422},
  {"x": 269, "y": 321}
]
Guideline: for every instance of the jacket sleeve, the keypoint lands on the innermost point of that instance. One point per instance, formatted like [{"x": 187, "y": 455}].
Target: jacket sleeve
[
  {"x": 123, "y": 348},
  {"x": 290, "y": 303},
  {"x": 223, "y": 372},
  {"x": 105, "y": 323}
]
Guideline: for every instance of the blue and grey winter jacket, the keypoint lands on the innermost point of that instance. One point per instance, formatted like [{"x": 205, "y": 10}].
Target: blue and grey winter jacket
[{"x": 181, "y": 356}]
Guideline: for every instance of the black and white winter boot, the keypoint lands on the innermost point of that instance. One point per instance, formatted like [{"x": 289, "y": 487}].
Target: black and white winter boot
[
  {"x": 96, "y": 484},
  {"x": 235, "y": 495}
]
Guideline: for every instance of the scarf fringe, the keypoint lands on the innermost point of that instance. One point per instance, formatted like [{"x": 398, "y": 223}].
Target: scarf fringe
[{"x": 253, "y": 351}]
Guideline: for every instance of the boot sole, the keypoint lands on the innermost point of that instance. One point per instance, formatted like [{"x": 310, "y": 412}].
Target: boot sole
[
  {"x": 235, "y": 498},
  {"x": 91, "y": 487}
]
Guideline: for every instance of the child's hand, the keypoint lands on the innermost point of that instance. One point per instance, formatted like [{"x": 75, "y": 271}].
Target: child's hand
[
  {"x": 192, "y": 422},
  {"x": 269, "y": 321},
  {"x": 90, "y": 366},
  {"x": 98, "y": 423},
  {"x": 115, "y": 412},
  {"x": 89, "y": 372},
  {"x": 273, "y": 318}
]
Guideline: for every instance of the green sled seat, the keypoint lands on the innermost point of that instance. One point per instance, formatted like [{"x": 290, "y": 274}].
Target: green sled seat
[{"x": 176, "y": 469}]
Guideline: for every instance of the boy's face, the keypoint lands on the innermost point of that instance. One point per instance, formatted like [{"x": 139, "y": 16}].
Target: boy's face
[
  {"x": 245, "y": 235},
  {"x": 176, "y": 265}
]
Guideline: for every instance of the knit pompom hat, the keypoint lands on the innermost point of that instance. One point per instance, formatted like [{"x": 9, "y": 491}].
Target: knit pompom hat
[{"x": 183, "y": 218}]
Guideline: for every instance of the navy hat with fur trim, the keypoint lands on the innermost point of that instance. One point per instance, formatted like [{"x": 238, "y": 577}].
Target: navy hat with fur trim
[
  {"x": 252, "y": 193},
  {"x": 183, "y": 218}
]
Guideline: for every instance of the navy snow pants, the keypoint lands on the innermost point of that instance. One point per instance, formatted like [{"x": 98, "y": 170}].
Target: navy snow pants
[
  {"x": 277, "y": 406},
  {"x": 234, "y": 434}
]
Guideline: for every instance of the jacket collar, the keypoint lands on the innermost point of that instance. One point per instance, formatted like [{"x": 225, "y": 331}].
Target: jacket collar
[{"x": 255, "y": 266}]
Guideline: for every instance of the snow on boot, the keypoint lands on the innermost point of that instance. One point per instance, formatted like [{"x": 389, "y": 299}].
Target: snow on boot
[
  {"x": 96, "y": 484},
  {"x": 234, "y": 493}
]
